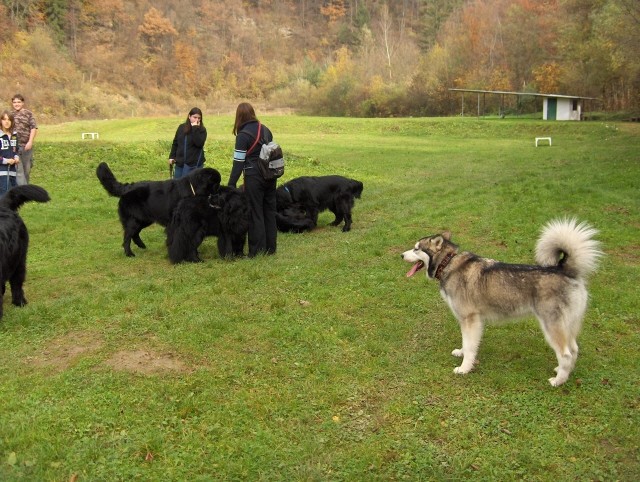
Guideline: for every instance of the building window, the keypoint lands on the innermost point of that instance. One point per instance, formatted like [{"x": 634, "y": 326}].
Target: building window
[{"x": 574, "y": 104}]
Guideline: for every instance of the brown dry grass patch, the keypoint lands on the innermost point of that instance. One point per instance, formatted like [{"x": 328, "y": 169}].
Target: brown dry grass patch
[
  {"x": 66, "y": 350},
  {"x": 146, "y": 362}
]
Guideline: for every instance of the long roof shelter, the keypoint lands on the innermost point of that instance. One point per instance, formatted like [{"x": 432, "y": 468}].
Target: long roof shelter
[{"x": 554, "y": 107}]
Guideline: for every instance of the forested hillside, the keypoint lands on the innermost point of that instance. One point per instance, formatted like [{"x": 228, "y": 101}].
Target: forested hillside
[{"x": 112, "y": 58}]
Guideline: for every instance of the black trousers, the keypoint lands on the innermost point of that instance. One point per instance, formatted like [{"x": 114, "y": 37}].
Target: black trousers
[{"x": 263, "y": 231}]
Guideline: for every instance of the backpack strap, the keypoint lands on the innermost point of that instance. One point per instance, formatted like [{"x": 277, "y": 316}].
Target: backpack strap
[{"x": 257, "y": 138}]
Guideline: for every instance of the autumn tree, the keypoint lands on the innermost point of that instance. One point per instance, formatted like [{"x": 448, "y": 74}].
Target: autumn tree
[
  {"x": 186, "y": 63},
  {"x": 21, "y": 10},
  {"x": 387, "y": 37},
  {"x": 547, "y": 78},
  {"x": 333, "y": 9},
  {"x": 433, "y": 14},
  {"x": 156, "y": 30}
]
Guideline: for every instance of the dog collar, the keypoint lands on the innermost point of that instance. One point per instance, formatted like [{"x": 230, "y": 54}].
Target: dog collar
[{"x": 443, "y": 265}]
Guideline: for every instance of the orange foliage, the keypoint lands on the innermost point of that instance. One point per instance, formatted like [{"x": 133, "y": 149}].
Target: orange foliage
[
  {"x": 185, "y": 60},
  {"x": 547, "y": 77},
  {"x": 102, "y": 12},
  {"x": 334, "y": 10},
  {"x": 156, "y": 27},
  {"x": 499, "y": 79}
]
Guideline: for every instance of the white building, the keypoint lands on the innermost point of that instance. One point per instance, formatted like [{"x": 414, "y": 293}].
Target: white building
[{"x": 561, "y": 107}]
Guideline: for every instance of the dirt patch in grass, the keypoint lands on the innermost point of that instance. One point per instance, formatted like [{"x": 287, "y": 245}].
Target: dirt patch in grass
[
  {"x": 146, "y": 362},
  {"x": 66, "y": 350}
]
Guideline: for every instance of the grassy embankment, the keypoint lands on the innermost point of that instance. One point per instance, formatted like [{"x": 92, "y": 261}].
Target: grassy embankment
[{"x": 323, "y": 362}]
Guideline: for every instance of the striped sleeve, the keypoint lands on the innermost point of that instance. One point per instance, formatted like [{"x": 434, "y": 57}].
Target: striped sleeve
[{"x": 239, "y": 155}]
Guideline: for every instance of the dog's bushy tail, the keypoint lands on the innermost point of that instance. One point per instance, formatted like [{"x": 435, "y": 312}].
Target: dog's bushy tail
[
  {"x": 109, "y": 181},
  {"x": 17, "y": 196},
  {"x": 570, "y": 245}
]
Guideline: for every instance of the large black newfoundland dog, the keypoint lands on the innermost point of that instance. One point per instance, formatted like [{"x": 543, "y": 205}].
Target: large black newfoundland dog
[
  {"x": 224, "y": 214},
  {"x": 294, "y": 219},
  {"x": 143, "y": 203},
  {"x": 319, "y": 193},
  {"x": 14, "y": 240}
]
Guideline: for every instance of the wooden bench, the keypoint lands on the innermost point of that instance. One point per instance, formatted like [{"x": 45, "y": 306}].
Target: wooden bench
[
  {"x": 538, "y": 139},
  {"x": 90, "y": 135}
]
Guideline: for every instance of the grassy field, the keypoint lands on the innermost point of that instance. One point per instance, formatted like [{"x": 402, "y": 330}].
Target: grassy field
[{"x": 323, "y": 362}]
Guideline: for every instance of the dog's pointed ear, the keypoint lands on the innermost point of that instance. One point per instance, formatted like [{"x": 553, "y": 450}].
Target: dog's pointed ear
[{"x": 439, "y": 240}]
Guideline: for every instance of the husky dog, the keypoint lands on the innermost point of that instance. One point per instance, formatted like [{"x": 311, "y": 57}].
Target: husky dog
[{"x": 480, "y": 289}]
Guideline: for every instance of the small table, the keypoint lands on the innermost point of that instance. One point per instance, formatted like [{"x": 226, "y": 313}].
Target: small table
[{"x": 538, "y": 139}]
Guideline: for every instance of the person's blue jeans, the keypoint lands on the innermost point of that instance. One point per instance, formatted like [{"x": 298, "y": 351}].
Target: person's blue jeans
[
  {"x": 181, "y": 171},
  {"x": 6, "y": 183}
]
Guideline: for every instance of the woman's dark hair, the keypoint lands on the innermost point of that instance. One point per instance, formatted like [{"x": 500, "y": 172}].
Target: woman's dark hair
[
  {"x": 187, "y": 125},
  {"x": 244, "y": 114}
]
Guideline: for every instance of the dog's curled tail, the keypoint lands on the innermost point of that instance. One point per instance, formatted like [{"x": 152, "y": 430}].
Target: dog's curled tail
[
  {"x": 570, "y": 245},
  {"x": 17, "y": 196},
  {"x": 109, "y": 181}
]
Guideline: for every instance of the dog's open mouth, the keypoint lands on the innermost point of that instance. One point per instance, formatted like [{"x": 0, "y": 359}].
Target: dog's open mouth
[{"x": 415, "y": 268}]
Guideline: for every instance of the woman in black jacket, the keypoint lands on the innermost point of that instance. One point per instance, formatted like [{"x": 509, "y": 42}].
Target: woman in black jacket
[
  {"x": 187, "y": 150},
  {"x": 250, "y": 135}
]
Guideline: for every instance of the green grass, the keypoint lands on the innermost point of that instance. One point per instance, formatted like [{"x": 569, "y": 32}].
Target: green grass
[{"x": 323, "y": 362}]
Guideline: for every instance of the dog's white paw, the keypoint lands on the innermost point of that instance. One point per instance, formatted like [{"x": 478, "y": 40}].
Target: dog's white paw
[
  {"x": 556, "y": 381},
  {"x": 461, "y": 371},
  {"x": 457, "y": 352},
  {"x": 556, "y": 369}
]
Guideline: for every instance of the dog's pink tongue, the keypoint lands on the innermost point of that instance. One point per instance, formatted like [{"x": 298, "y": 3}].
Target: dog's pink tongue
[{"x": 414, "y": 269}]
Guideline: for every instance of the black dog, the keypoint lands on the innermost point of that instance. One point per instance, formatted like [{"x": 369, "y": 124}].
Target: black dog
[
  {"x": 318, "y": 193},
  {"x": 224, "y": 214},
  {"x": 146, "y": 202},
  {"x": 294, "y": 219},
  {"x": 14, "y": 240}
]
